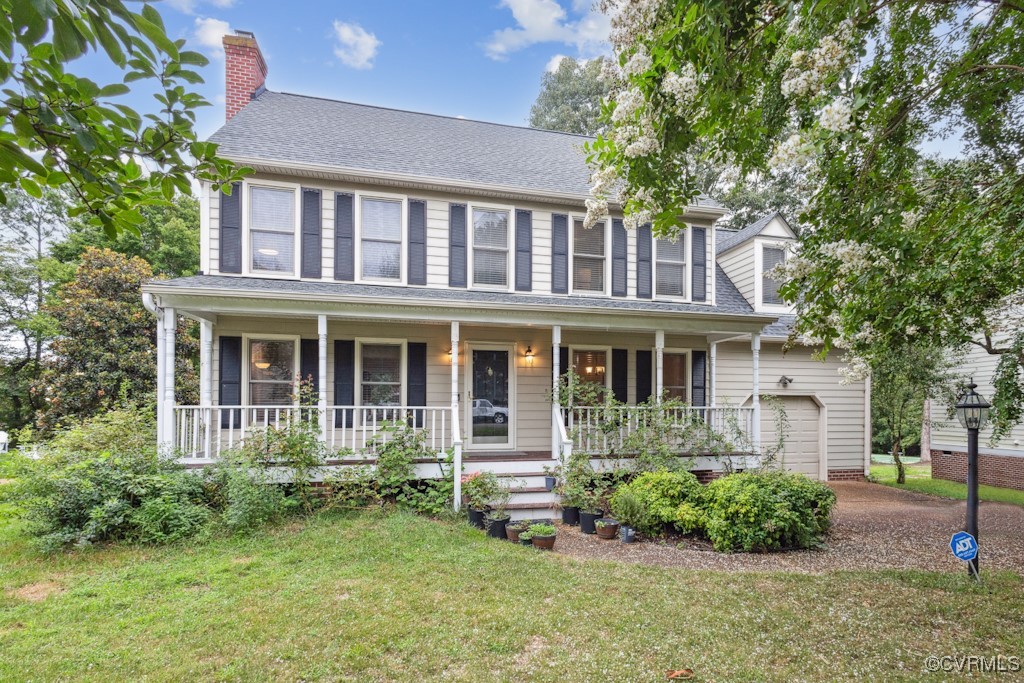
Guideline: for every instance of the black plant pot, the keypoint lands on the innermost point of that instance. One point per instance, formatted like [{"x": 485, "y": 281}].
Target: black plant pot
[
  {"x": 571, "y": 516},
  {"x": 587, "y": 520},
  {"x": 496, "y": 527},
  {"x": 476, "y": 517},
  {"x": 549, "y": 483}
]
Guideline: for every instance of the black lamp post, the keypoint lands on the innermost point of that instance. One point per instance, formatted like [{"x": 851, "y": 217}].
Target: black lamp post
[{"x": 972, "y": 411}]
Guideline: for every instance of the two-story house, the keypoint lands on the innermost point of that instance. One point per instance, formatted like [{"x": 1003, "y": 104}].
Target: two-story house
[{"x": 436, "y": 267}]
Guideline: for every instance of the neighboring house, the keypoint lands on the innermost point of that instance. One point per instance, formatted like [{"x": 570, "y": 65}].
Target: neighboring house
[
  {"x": 425, "y": 267},
  {"x": 1000, "y": 463}
]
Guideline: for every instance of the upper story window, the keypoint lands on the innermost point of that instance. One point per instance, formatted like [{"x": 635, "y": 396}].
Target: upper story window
[
  {"x": 490, "y": 248},
  {"x": 770, "y": 258},
  {"x": 381, "y": 238},
  {"x": 272, "y": 229},
  {"x": 588, "y": 257},
  {"x": 670, "y": 267}
]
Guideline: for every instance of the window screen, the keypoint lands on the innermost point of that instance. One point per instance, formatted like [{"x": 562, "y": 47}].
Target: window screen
[
  {"x": 271, "y": 372},
  {"x": 674, "y": 375},
  {"x": 771, "y": 257},
  {"x": 381, "y": 226},
  {"x": 671, "y": 267},
  {"x": 381, "y": 378},
  {"x": 588, "y": 257},
  {"x": 490, "y": 248},
  {"x": 272, "y": 229}
]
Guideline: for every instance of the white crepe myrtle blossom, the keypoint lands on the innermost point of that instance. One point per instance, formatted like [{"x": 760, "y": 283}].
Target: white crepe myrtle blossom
[
  {"x": 639, "y": 62},
  {"x": 681, "y": 86},
  {"x": 856, "y": 369},
  {"x": 837, "y": 116},
  {"x": 597, "y": 211},
  {"x": 628, "y": 103},
  {"x": 809, "y": 71},
  {"x": 631, "y": 20},
  {"x": 790, "y": 153}
]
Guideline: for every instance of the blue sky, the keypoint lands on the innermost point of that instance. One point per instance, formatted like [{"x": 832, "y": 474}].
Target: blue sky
[{"x": 481, "y": 60}]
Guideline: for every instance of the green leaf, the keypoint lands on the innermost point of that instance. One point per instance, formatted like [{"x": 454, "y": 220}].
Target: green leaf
[
  {"x": 31, "y": 187},
  {"x": 156, "y": 35}
]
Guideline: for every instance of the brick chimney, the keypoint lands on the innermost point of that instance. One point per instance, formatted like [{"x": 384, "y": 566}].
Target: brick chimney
[{"x": 245, "y": 71}]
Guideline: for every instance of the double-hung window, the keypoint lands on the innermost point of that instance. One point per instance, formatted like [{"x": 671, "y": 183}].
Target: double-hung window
[
  {"x": 591, "y": 366},
  {"x": 674, "y": 375},
  {"x": 271, "y": 372},
  {"x": 771, "y": 257},
  {"x": 272, "y": 229},
  {"x": 588, "y": 257},
  {"x": 490, "y": 248},
  {"x": 670, "y": 267},
  {"x": 381, "y": 375},
  {"x": 381, "y": 238}
]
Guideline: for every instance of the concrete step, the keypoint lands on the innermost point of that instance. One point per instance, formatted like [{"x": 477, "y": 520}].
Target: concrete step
[
  {"x": 534, "y": 496},
  {"x": 513, "y": 467}
]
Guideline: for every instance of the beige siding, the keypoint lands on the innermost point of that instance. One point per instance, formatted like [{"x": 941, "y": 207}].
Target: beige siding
[
  {"x": 844, "y": 403},
  {"x": 213, "y": 266},
  {"x": 738, "y": 264},
  {"x": 437, "y": 243},
  {"x": 542, "y": 251},
  {"x": 327, "y": 234}
]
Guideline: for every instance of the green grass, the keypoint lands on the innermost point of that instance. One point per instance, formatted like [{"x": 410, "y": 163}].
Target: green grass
[
  {"x": 919, "y": 478},
  {"x": 401, "y": 598}
]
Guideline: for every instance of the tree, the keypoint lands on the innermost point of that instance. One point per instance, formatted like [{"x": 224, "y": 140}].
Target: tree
[
  {"x": 64, "y": 130},
  {"x": 168, "y": 239},
  {"x": 104, "y": 353},
  {"x": 27, "y": 227},
  {"x": 899, "y": 246},
  {"x": 901, "y": 382},
  {"x": 570, "y": 97}
]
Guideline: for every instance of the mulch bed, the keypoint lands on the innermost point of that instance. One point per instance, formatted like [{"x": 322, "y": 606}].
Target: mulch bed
[{"x": 874, "y": 527}]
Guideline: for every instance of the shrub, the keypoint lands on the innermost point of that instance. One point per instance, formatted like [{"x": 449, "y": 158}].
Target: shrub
[
  {"x": 660, "y": 494},
  {"x": 760, "y": 511},
  {"x": 629, "y": 510},
  {"x": 245, "y": 494},
  {"x": 479, "y": 489},
  {"x": 127, "y": 429}
]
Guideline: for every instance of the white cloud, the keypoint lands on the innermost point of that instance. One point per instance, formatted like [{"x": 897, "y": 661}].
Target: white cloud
[
  {"x": 356, "y": 47},
  {"x": 210, "y": 32},
  {"x": 554, "y": 63},
  {"x": 189, "y": 6},
  {"x": 546, "y": 21}
]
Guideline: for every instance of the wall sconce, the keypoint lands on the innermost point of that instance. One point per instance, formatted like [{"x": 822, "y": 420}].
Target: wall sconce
[
  {"x": 785, "y": 381},
  {"x": 449, "y": 355},
  {"x": 529, "y": 356}
]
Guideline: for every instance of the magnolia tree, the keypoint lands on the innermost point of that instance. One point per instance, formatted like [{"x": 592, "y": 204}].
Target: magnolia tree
[{"x": 897, "y": 245}]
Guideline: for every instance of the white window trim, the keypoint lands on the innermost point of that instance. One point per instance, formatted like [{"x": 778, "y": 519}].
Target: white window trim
[
  {"x": 513, "y": 408},
  {"x": 509, "y": 246},
  {"x": 247, "y": 366},
  {"x": 689, "y": 370},
  {"x": 403, "y": 200},
  {"x": 607, "y": 357},
  {"x": 247, "y": 268},
  {"x": 759, "y": 245},
  {"x": 402, "y": 371},
  {"x": 687, "y": 238},
  {"x": 607, "y": 259}
]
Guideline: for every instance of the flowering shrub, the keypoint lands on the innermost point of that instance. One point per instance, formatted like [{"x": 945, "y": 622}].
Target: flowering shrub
[{"x": 480, "y": 488}]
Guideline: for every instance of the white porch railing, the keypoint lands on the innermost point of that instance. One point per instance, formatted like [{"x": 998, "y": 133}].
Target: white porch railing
[
  {"x": 606, "y": 430},
  {"x": 205, "y": 433}
]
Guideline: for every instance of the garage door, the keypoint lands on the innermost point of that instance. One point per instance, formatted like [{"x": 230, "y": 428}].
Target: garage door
[{"x": 801, "y": 443}]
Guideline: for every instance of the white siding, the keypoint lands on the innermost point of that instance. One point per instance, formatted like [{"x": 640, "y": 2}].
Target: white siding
[
  {"x": 437, "y": 243},
  {"x": 213, "y": 267},
  {"x": 738, "y": 264}
]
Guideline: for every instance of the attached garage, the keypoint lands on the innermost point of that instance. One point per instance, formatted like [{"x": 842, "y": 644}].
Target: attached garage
[{"x": 803, "y": 438}]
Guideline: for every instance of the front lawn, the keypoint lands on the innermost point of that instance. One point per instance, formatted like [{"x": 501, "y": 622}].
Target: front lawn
[
  {"x": 371, "y": 597},
  {"x": 919, "y": 478}
]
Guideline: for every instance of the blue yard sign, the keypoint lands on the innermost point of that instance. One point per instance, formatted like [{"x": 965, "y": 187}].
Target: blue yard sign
[{"x": 964, "y": 546}]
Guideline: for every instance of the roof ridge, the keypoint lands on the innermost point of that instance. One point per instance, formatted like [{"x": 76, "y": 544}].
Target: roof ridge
[{"x": 426, "y": 113}]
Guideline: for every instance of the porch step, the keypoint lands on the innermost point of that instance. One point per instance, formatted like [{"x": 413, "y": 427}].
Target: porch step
[
  {"x": 515, "y": 468},
  {"x": 506, "y": 456}
]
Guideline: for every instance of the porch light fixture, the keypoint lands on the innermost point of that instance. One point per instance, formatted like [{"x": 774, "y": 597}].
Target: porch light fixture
[
  {"x": 785, "y": 381},
  {"x": 529, "y": 355}
]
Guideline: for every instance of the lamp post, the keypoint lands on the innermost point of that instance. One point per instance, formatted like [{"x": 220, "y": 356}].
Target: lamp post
[{"x": 972, "y": 411}]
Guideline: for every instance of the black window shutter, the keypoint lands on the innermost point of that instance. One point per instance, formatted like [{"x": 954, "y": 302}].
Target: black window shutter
[
  {"x": 416, "y": 379},
  {"x": 456, "y": 245},
  {"x": 563, "y": 360},
  {"x": 309, "y": 362},
  {"x": 700, "y": 267},
  {"x": 559, "y": 254},
  {"x": 620, "y": 375},
  {"x": 230, "y": 385},
  {"x": 311, "y": 227},
  {"x": 344, "y": 237},
  {"x": 230, "y": 240},
  {"x": 618, "y": 258},
  {"x": 524, "y": 250},
  {"x": 643, "y": 262},
  {"x": 643, "y": 376},
  {"x": 698, "y": 389},
  {"x": 344, "y": 379},
  {"x": 417, "y": 242}
]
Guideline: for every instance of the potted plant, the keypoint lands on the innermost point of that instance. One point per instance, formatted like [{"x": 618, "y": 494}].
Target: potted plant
[
  {"x": 514, "y": 529},
  {"x": 497, "y": 518},
  {"x": 607, "y": 528},
  {"x": 551, "y": 477},
  {"x": 590, "y": 511},
  {"x": 542, "y": 535},
  {"x": 572, "y": 497},
  {"x": 478, "y": 489},
  {"x": 629, "y": 510},
  {"x": 526, "y": 537}
]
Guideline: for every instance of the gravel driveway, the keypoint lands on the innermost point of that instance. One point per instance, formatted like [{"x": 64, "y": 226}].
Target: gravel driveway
[{"x": 874, "y": 527}]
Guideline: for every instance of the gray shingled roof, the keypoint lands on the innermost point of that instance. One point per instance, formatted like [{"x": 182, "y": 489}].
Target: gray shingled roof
[
  {"x": 301, "y": 129},
  {"x": 781, "y": 327},
  {"x": 730, "y": 301},
  {"x": 727, "y": 240}
]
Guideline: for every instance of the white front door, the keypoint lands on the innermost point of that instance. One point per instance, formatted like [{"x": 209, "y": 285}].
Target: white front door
[{"x": 490, "y": 406}]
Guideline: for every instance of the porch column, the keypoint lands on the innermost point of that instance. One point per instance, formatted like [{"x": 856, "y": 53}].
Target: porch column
[
  {"x": 456, "y": 435},
  {"x": 205, "y": 363},
  {"x": 161, "y": 425},
  {"x": 755, "y": 353},
  {"x": 321, "y": 330},
  {"x": 659, "y": 364},
  {"x": 712, "y": 371},
  {"x": 170, "y": 327}
]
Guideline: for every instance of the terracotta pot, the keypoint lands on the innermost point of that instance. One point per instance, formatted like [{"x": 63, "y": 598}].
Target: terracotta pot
[
  {"x": 544, "y": 542},
  {"x": 512, "y": 532},
  {"x": 571, "y": 516},
  {"x": 476, "y": 517},
  {"x": 608, "y": 529},
  {"x": 587, "y": 519}
]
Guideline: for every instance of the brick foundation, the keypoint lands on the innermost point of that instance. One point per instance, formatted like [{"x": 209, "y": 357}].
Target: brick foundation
[
  {"x": 707, "y": 476},
  {"x": 1005, "y": 471},
  {"x": 846, "y": 475}
]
